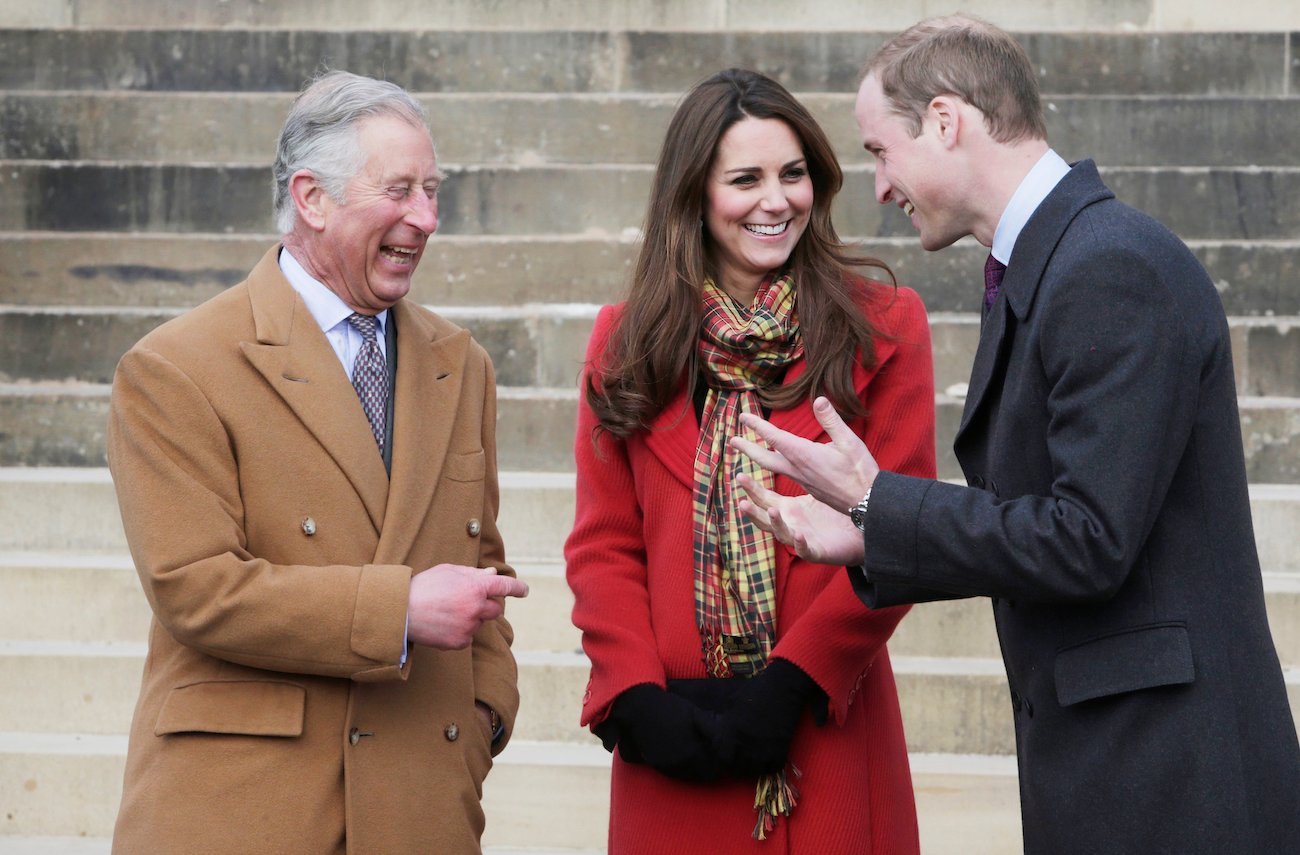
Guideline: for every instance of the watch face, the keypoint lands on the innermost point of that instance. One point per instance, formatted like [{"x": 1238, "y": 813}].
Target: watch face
[{"x": 859, "y": 518}]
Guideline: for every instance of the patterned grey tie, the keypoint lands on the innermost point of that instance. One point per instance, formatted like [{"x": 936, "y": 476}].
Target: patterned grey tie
[{"x": 370, "y": 376}]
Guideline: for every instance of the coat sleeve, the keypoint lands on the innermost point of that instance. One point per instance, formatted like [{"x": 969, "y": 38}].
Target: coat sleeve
[
  {"x": 837, "y": 638},
  {"x": 1121, "y": 371},
  {"x": 177, "y": 479},
  {"x": 496, "y": 674},
  {"x": 605, "y": 559}
]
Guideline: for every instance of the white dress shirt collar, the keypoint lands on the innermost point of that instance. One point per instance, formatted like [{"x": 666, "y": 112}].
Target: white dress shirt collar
[
  {"x": 325, "y": 306},
  {"x": 1042, "y": 178}
]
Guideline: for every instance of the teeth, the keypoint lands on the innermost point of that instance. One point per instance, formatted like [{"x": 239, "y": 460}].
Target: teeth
[
  {"x": 399, "y": 254},
  {"x": 767, "y": 230},
  {"x": 908, "y": 208}
]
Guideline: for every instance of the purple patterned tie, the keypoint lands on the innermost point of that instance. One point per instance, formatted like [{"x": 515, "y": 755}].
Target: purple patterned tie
[
  {"x": 993, "y": 270},
  {"x": 370, "y": 376}
]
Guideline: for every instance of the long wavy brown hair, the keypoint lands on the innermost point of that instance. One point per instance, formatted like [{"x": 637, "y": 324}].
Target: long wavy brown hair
[{"x": 652, "y": 349}]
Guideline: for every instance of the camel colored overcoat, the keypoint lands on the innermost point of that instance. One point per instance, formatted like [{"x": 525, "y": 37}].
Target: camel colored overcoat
[{"x": 277, "y": 554}]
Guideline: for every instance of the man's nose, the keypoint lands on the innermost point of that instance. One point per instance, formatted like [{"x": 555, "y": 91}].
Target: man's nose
[
  {"x": 883, "y": 188},
  {"x": 423, "y": 213}
]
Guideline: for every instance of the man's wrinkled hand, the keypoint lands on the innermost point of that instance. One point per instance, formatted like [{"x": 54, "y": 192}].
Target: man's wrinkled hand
[
  {"x": 814, "y": 530},
  {"x": 837, "y": 473},
  {"x": 450, "y": 602}
]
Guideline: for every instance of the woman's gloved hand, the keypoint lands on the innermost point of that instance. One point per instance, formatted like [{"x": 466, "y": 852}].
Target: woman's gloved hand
[{"x": 666, "y": 732}]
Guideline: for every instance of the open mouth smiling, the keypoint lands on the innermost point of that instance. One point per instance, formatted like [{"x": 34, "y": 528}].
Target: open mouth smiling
[
  {"x": 767, "y": 231},
  {"x": 399, "y": 254}
]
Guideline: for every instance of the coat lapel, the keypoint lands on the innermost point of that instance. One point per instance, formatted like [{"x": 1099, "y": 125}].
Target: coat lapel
[
  {"x": 430, "y": 371},
  {"x": 297, "y": 361},
  {"x": 1080, "y": 187},
  {"x": 674, "y": 435},
  {"x": 992, "y": 335}
]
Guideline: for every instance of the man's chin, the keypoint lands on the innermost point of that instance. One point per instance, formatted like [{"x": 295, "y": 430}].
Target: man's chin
[{"x": 933, "y": 243}]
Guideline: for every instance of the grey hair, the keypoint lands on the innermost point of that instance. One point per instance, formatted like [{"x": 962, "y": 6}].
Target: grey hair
[{"x": 319, "y": 134}]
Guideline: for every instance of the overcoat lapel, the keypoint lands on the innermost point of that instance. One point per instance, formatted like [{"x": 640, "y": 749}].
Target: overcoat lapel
[
  {"x": 430, "y": 371},
  {"x": 674, "y": 435},
  {"x": 297, "y": 361},
  {"x": 987, "y": 357},
  {"x": 1080, "y": 188}
]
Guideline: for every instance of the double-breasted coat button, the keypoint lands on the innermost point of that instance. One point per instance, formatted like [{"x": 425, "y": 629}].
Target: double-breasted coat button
[
  {"x": 308, "y": 526},
  {"x": 354, "y": 735},
  {"x": 473, "y": 527},
  {"x": 452, "y": 732}
]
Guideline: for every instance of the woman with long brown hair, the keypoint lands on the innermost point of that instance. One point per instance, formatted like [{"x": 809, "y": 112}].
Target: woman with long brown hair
[{"x": 747, "y": 694}]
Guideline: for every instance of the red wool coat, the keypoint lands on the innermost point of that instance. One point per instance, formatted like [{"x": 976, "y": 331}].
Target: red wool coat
[{"x": 629, "y": 564}]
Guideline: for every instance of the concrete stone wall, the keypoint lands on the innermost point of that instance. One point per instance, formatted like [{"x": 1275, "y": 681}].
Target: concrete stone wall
[{"x": 775, "y": 15}]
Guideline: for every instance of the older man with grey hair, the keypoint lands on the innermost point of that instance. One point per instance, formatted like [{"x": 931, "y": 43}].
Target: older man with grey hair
[{"x": 306, "y": 467}]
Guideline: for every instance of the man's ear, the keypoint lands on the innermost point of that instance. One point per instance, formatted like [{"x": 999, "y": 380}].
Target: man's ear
[
  {"x": 309, "y": 198},
  {"x": 946, "y": 115}
]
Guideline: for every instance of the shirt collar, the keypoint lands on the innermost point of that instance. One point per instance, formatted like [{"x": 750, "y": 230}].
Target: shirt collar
[
  {"x": 1042, "y": 178},
  {"x": 325, "y": 306}
]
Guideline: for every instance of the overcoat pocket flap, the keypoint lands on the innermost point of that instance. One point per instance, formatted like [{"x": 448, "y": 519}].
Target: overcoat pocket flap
[
  {"x": 465, "y": 467},
  {"x": 1139, "y": 658},
  {"x": 249, "y": 707}
]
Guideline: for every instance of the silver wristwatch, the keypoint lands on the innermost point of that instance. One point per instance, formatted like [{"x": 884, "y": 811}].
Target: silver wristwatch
[{"x": 858, "y": 513}]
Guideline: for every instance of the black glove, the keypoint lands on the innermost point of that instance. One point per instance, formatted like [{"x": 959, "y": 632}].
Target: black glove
[
  {"x": 664, "y": 731},
  {"x": 708, "y": 693},
  {"x": 764, "y": 714}
]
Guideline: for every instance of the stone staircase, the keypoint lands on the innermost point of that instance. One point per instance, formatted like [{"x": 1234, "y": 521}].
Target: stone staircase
[{"x": 135, "y": 140}]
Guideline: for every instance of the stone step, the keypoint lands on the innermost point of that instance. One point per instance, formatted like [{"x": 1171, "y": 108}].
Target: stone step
[
  {"x": 1197, "y": 203},
  {"x": 950, "y": 705},
  {"x": 569, "y": 60},
  {"x": 538, "y": 795},
  {"x": 96, "y": 597},
  {"x": 240, "y": 128},
  {"x": 541, "y": 344},
  {"x": 110, "y": 608},
  {"x": 182, "y": 270},
  {"x": 706, "y": 15},
  {"x": 13, "y": 845},
  {"x": 70, "y": 784},
  {"x": 74, "y": 509},
  {"x": 62, "y": 424}
]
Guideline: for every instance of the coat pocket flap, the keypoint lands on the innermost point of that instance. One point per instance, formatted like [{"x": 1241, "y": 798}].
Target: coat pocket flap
[
  {"x": 248, "y": 707},
  {"x": 1140, "y": 658},
  {"x": 465, "y": 467}
]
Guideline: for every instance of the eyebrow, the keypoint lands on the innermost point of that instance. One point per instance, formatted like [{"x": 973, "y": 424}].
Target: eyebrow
[{"x": 757, "y": 168}]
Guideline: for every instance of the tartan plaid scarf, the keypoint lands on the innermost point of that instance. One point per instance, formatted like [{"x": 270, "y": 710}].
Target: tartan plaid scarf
[{"x": 741, "y": 349}]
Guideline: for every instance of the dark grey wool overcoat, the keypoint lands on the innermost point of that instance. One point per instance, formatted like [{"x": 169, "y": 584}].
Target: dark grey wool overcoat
[{"x": 1107, "y": 517}]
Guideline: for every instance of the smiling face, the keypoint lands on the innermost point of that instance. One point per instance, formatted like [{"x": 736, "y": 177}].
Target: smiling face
[
  {"x": 366, "y": 248},
  {"x": 910, "y": 171},
  {"x": 758, "y": 198}
]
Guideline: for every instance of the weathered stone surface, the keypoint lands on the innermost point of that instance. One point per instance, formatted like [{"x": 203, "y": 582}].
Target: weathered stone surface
[
  {"x": 1259, "y": 279},
  {"x": 728, "y": 15},
  {"x": 542, "y": 345},
  {"x": 45, "y": 426},
  {"x": 569, "y": 61},
  {"x": 533, "y": 129},
  {"x": 162, "y": 270},
  {"x": 1196, "y": 203},
  {"x": 282, "y": 60}
]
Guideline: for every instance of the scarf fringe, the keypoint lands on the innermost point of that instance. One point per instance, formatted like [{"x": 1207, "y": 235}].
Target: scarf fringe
[{"x": 775, "y": 796}]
